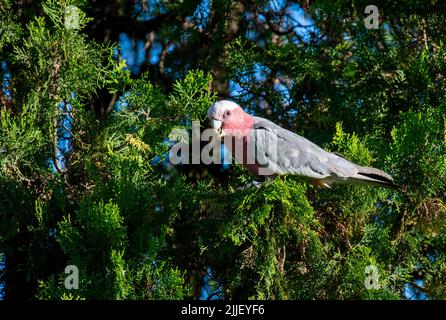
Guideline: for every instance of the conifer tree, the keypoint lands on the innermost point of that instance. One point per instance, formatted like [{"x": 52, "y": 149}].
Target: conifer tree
[{"x": 94, "y": 94}]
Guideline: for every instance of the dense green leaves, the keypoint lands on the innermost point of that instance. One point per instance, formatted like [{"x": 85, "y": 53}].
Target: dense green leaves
[{"x": 138, "y": 228}]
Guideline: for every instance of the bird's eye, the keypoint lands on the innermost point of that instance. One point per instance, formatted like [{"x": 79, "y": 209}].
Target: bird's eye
[{"x": 227, "y": 113}]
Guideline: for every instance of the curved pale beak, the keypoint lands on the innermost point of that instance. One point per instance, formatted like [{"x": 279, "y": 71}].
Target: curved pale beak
[{"x": 216, "y": 124}]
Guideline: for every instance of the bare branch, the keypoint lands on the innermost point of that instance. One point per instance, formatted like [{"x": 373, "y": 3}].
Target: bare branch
[{"x": 55, "y": 148}]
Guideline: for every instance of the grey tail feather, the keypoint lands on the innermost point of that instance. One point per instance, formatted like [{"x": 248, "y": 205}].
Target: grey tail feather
[{"x": 376, "y": 177}]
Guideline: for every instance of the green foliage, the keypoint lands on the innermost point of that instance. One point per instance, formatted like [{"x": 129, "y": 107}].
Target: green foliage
[
  {"x": 265, "y": 222},
  {"x": 421, "y": 164},
  {"x": 54, "y": 63},
  {"x": 138, "y": 229},
  {"x": 192, "y": 96},
  {"x": 11, "y": 29},
  {"x": 351, "y": 147},
  {"x": 21, "y": 139}
]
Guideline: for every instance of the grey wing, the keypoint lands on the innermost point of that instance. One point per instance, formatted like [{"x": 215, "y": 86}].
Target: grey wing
[{"x": 282, "y": 151}]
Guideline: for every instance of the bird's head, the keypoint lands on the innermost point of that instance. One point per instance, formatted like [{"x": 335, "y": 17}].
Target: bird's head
[{"x": 226, "y": 115}]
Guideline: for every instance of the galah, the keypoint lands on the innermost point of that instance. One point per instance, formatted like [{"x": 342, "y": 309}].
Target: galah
[{"x": 270, "y": 150}]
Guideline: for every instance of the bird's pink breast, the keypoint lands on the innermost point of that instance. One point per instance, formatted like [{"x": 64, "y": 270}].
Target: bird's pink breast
[{"x": 236, "y": 135}]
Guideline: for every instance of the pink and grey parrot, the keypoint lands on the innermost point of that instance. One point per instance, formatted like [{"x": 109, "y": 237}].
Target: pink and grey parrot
[{"x": 280, "y": 151}]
